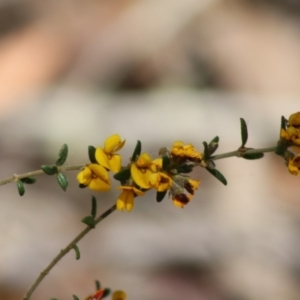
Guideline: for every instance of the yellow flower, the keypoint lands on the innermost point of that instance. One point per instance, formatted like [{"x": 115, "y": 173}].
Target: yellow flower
[
  {"x": 160, "y": 181},
  {"x": 294, "y": 165},
  {"x": 180, "y": 200},
  {"x": 185, "y": 151},
  {"x": 141, "y": 170},
  {"x": 97, "y": 296},
  {"x": 119, "y": 295},
  {"x": 106, "y": 157},
  {"x": 95, "y": 177},
  {"x": 291, "y": 134},
  {"x": 191, "y": 185},
  {"x": 126, "y": 198},
  {"x": 294, "y": 119}
]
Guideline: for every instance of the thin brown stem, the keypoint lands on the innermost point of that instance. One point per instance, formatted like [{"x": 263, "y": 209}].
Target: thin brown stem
[
  {"x": 16, "y": 177},
  {"x": 64, "y": 251}
]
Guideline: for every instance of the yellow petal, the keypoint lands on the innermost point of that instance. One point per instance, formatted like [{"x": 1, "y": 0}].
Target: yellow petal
[
  {"x": 99, "y": 185},
  {"x": 292, "y": 168},
  {"x": 294, "y": 119},
  {"x": 85, "y": 176},
  {"x": 102, "y": 158},
  {"x": 113, "y": 144},
  {"x": 126, "y": 200},
  {"x": 144, "y": 160},
  {"x": 99, "y": 172},
  {"x": 115, "y": 162},
  {"x": 140, "y": 176},
  {"x": 119, "y": 295}
]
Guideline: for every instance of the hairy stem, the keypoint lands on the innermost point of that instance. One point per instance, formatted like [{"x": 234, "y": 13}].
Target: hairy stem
[
  {"x": 240, "y": 152},
  {"x": 64, "y": 251}
]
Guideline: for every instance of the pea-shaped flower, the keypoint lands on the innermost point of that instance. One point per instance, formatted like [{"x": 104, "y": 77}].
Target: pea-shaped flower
[
  {"x": 126, "y": 198},
  {"x": 106, "y": 156}
]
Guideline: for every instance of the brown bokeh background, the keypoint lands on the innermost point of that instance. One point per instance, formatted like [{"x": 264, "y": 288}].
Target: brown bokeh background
[{"x": 77, "y": 71}]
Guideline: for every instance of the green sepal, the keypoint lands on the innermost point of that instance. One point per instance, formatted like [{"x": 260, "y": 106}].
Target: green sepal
[
  {"x": 218, "y": 175},
  {"x": 62, "y": 181},
  {"x": 185, "y": 169},
  {"x": 94, "y": 207},
  {"x": 160, "y": 196},
  {"x": 213, "y": 145},
  {"x": 253, "y": 156},
  {"x": 49, "y": 170},
  {"x": 21, "y": 188},
  {"x": 53, "y": 299},
  {"x": 106, "y": 292},
  {"x": 123, "y": 175},
  {"x": 89, "y": 221},
  {"x": 244, "y": 132},
  {"x": 166, "y": 162},
  {"x": 62, "y": 155},
  {"x": 283, "y": 122},
  {"x": 75, "y": 297},
  {"x": 82, "y": 186},
  {"x": 92, "y": 156},
  {"x": 137, "y": 151},
  {"x": 28, "y": 180},
  {"x": 205, "y": 152},
  {"x": 77, "y": 252},
  {"x": 98, "y": 285}
]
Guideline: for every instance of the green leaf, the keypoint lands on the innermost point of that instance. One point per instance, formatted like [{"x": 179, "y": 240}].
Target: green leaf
[
  {"x": 280, "y": 149},
  {"x": 166, "y": 162},
  {"x": 92, "y": 152},
  {"x": 62, "y": 155},
  {"x": 53, "y": 299},
  {"x": 77, "y": 252},
  {"x": 82, "y": 186},
  {"x": 98, "y": 285},
  {"x": 21, "y": 188},
  {"x": 253, "y": 156},
  {"x": 123, "y": 175},
  {"x": 185, "y": 168},
  {"x": 160, "y": 196},
  {"x": 28, "y": 180},
  {"x": 244, "y": 132},
  {"x": 213, "y": 145},
  {"x": 218, "y": 175},
  {"x": 89, "y": 221},
  {"x": 94, "y": 207},
  {"x": 62, "y": 181},
  {"x": 137, "y": 151},
  {"x": 283, "y": 122},
  {"x": 205, "y": 152},
  {"x": 49, "y": 170},
  {"x": 106, "y": 292},
  {"x": 75, "y": 297}
]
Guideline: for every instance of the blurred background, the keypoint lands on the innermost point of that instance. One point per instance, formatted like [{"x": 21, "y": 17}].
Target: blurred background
[{"x": 78, "y": 71}]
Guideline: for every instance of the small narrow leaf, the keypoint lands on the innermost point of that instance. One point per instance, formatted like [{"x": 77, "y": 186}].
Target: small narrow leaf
[
  {"x": 218, "y": 175},
  {"x": 92, "y": 151},
  {"x": 28, "y": 180},
  {"x": 75, "y": 297},
  {"x": 244, "y": 132},
  {"x": 137, "y": 151},
  {"x": 49, "y": 170},
  {"x": 280, "y": 149},
  {"x": 213, "y": 145},
  {"x": 62, "y": 181},
  {"x": 89, "y": 221},
  {"x": 62, "y": 155},
  {"x": 166, "y": 161},
  {"x": 77, "y": 252},
  {"x": 53, "y": 299},
  {"x": 160, "y": 196},
  {"x": 94, "y": 207},
  {"x": 205, "y": 152},
  {"x": 253, "y": 156},
  {"x": 106, "y": 292},
  {"x": 98, "y": 285},
  {"x": 185, "y": 169},
  {"x": 21, "y": 187},
  {"x": 123, "y": 175},
  {"x": 283, "y": 122}
]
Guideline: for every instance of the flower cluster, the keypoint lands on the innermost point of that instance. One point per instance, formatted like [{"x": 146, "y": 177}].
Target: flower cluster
[
  {"x": 166, "y": 173},
  {"x": 117, "y": 295},
  {"x": 290, "y": 142}
]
